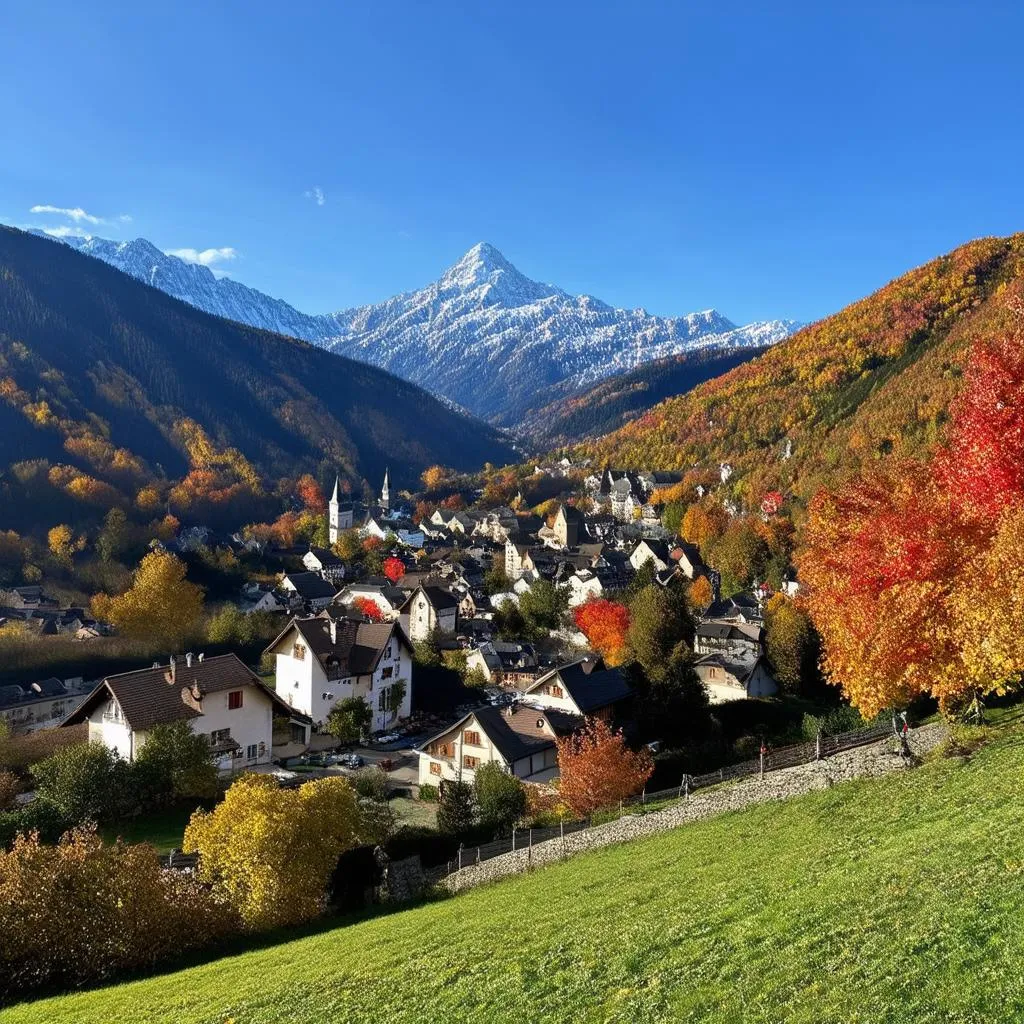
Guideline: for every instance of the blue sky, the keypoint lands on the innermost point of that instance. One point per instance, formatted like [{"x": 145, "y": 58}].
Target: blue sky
[{"x": 674, "y": 156}]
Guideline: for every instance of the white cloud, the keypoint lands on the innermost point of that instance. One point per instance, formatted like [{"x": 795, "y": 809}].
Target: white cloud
[
  {"x": 317, "y": 195},
  {"x": 67, "y": 232},
  {"x": 76, "y": 213},
  {"x": 125, "y": 218},
  {"x": 205, "y": 257}
]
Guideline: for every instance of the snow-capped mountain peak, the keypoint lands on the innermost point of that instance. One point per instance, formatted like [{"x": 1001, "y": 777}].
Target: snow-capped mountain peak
[{"x": 483, "y": 335}]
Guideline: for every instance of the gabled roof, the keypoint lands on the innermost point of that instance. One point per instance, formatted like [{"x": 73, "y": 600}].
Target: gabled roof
[
  {"x": 741, "y": 668},
  {"x": 439, "y": 598},
  {"x": 154, "y": 696},
  {"x": 517, "y": 731},
  {"x": 355, "y": 647},
  {"x": 657, "y": 547},
  {"x": 311, "y": 586},
  {"x": 325, "y": 556},
  {"x": 589, "y": 683}
]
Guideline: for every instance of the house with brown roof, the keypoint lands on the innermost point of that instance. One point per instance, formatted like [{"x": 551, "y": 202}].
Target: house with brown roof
[
  {"x": 322, "y": 660},
  {"x": 519, "y": 738},
  {"x": 219, "y": 697}
]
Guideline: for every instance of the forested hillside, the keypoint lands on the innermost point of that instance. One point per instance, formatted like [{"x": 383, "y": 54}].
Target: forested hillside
[
  {"x": 108, "y": 386},
  {"x": 562, "y": 415},
  {"x": 871, "y": 382}
]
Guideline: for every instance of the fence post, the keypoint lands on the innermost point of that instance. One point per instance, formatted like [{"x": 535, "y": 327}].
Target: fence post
[
  {"x": 529, "y": 854},
  {"x": 721, "y": 775},
  {"x": 686, "y": 785},
  {"x": 513, "y": 839},
  {"x": 561, "y": 832},
  {"x": 817, "y": 746},
  {"x": 478, "y": 855},
  {"x": 643, "y": 797},
  {"x": 620, "y": 808},
  {"x": 762, "y": 762},
  {"x": 460, "y": 856}
]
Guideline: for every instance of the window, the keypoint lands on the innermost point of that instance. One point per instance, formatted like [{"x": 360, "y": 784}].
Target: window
[
  {"x": 252, "y": 751},
  {"x": 237, "y": 753},
  {"x": 382, "y": 699},
  {"x": 435, "y": 768},
  {"x": 297, "y": 733},
  {"x": 387, "y": 673},
  {"x": 556, "y": 691},
  {"x": 713, "y": 673},
  {"x": 299, "y": 652},
  {"x": 446, "y": 750},
  {"x": 220, "y": 736},
  {"x": 470, "y": 762},
  {"x": 234, "y": 700},
  {"x": 472, "y": 738}
]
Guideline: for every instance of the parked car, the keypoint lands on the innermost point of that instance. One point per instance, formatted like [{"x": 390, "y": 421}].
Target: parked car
[{"x": 351, "y": 761}]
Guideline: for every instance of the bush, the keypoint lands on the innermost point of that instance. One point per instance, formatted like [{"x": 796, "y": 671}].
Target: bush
[
  {"x": 175, "y": 764},
  {"x": 10, "y": 787},
  {"x": 428, "y": 793},
  {"x": 501, "y": 798},
  {"x": 81, "y": 912},
  {"x": 37, "y": 816},
  {"x": 89, "y": 782}
]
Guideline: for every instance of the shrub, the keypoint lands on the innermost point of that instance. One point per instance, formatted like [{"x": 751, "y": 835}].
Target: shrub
[
  {"x": 80, "y": 912},
  {"x": 501, "y": 798},
  {"x": 37, "y": 817},
  {"x": 428, "y": 793},
  {"x": 10, "y": 787},
  {"x": 89, "y": 782}
]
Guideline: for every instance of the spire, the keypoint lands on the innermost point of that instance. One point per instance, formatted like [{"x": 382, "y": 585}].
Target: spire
[
  {"x": 385, "y": 491},
  {"x": 334, "y": 496}
]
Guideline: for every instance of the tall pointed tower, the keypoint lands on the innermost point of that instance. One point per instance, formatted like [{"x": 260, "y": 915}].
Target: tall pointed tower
[
  {"x": 332, "y": 515},
  {"x": 385, "y": 494}
]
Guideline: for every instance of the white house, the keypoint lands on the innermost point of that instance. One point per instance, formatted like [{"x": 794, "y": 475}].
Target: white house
[
  {"x": 326, "y": 563},
  {"x": 24, "y": 706},
  {"x": 428, "y": 608},
  {"x": 583, "y": 585},
  {"x": 322, "y": 660},
  {"x": 650, "y": 551},
  {"x": 311, "y": 587},
  {"x": 219, "y": 697},
  {"x": 504, "y": 664},
  {"x": 729, "y": 678},
  {"x": 519, "y": 738},
  {"x": 585, "y": 687},
  {"x": 388, "y": 598}
]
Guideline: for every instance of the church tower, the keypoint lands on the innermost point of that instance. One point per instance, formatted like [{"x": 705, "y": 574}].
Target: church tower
[
  {"x": 332, "y": 515},
  {"x": 385, "y": 494}
]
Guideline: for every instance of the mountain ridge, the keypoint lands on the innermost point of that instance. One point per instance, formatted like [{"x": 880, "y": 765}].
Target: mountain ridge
[{"x": 483, "y": 335}]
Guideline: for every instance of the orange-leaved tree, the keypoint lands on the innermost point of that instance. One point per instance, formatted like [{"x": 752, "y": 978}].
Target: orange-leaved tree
[
  {"x": 911, "y": 568},
  {"x": 605, "y": 624},
  {"x": 597, "y": 769}
]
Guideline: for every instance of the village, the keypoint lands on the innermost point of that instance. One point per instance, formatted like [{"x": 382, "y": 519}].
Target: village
[{"x": 468, "y": 648}]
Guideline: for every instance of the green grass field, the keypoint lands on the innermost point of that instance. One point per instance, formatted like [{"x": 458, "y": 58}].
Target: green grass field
[{"x": 899, "y": 899}]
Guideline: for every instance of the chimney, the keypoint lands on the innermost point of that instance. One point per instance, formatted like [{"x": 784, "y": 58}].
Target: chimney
[
  {"x": 171, "y": 663},
  {"x": 201, "y": 656},
  {"x": 510, "y": 710},
  {"x": 333, "y": 626},
  {"x": 188, "y": 660}
]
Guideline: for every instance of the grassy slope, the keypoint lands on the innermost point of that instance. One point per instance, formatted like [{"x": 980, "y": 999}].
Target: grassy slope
[{"x": 881, "y": 901}]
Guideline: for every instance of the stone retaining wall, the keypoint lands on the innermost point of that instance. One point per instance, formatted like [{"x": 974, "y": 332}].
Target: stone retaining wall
[{"x": 862, "y": 762}]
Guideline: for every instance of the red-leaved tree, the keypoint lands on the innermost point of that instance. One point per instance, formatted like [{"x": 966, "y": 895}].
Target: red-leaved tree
[
  {"x": 597, "y": 769},
  {"x": 605, "y": 624},
  {"x": 394, "y": 569},
  {"x": 369, "y": 609},
  {"x": 982, "y": 467}
]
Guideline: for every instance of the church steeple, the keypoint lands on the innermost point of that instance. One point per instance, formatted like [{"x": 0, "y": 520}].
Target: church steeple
[
  {"x": 333, "y": 515},
  {"x": 385, "y": 493}
]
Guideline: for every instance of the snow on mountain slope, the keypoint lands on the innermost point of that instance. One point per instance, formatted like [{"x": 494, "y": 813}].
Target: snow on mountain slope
[{"x": 483, "y": 336}]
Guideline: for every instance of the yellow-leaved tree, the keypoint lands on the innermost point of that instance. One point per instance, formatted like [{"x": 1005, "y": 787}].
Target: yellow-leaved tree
[
  {"x": 63, "y": 544},
  {"x": 988, "y": 608},
  {"x": 270, "y": 851},
  {"x": 159, "y": 605}
]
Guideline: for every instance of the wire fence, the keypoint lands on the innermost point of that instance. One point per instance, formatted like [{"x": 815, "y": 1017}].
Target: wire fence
[{"x": 768, "y": 760}]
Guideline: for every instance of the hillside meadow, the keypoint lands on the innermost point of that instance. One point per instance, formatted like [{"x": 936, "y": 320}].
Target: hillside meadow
[{"x": 889, "y": 900}]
